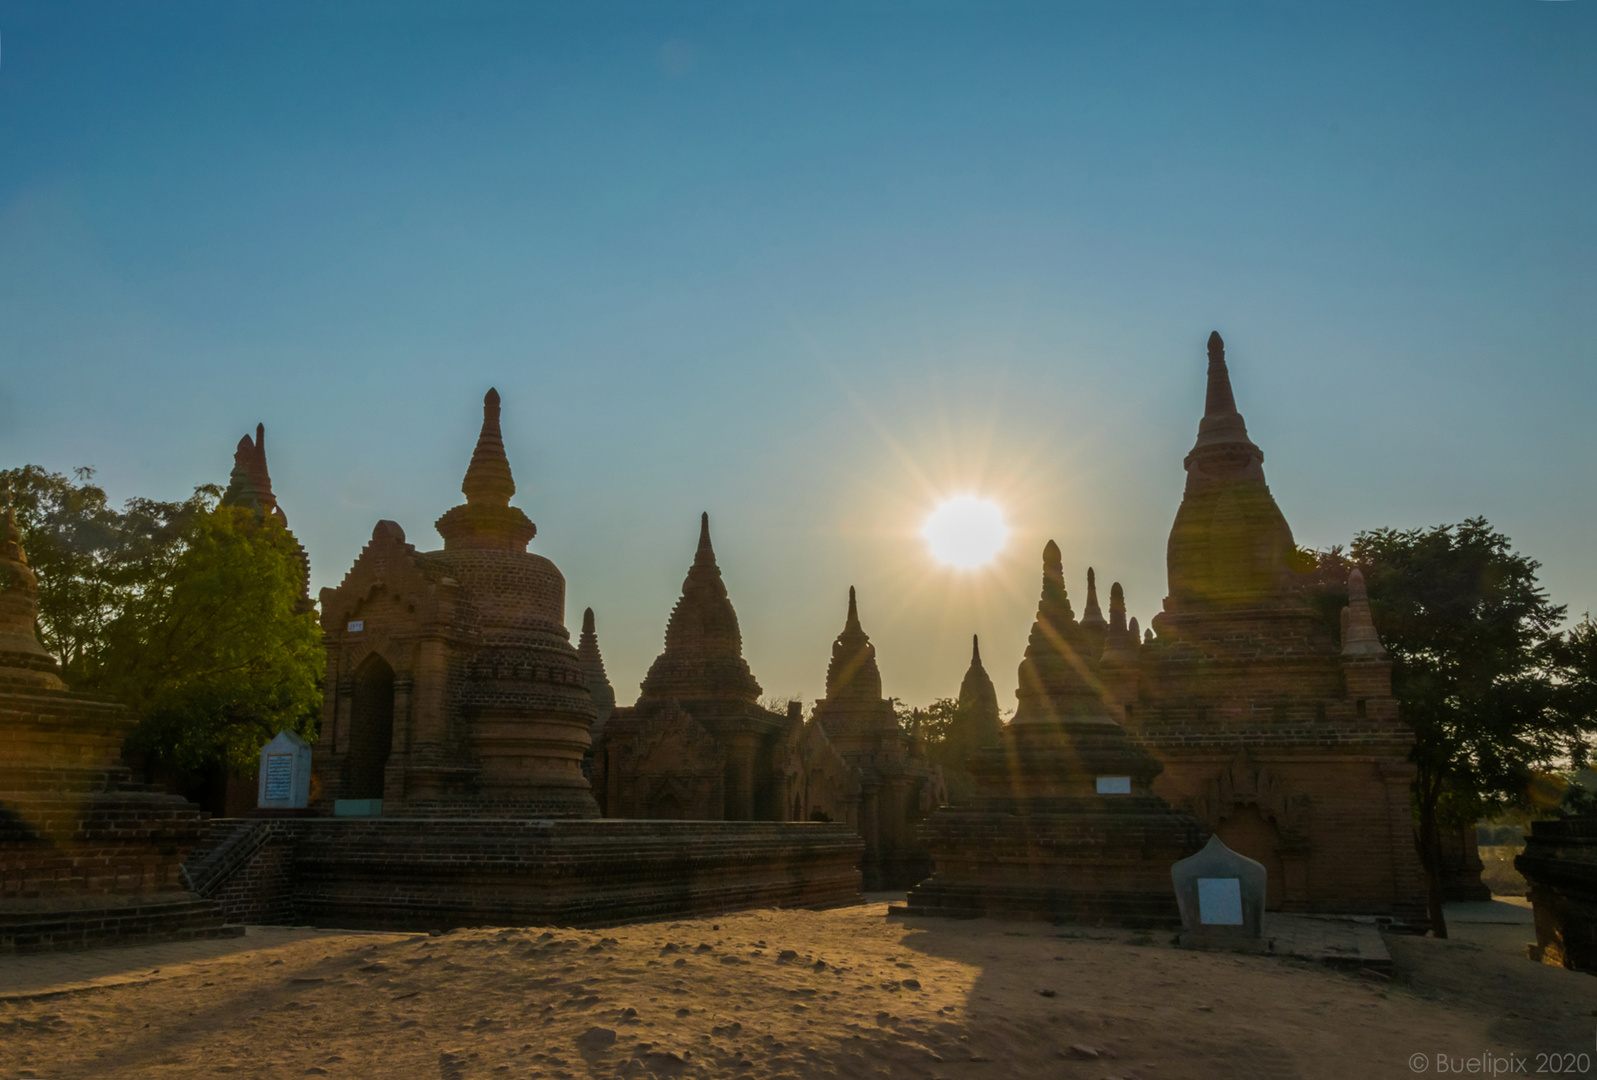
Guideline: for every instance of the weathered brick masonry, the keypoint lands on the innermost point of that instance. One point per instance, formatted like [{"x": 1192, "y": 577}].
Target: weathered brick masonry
[
  {"x": 437, "y": 872},
  {"x": 1560, "y": 865},
  {"x": 1283, "y": 740},
  {"x": 87, "y": 856}
]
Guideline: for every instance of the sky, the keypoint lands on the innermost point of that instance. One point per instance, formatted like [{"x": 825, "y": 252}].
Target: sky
[{"x": 814, "y": 269}]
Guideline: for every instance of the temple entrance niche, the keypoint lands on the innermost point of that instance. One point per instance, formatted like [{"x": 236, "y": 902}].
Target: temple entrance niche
[
  {"x": 1247, "y": 832},
  {"x": 371, "y": 727}
]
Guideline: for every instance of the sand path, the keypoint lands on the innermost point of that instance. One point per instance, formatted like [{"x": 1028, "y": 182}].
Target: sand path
[{"x": 846, "y": 993}]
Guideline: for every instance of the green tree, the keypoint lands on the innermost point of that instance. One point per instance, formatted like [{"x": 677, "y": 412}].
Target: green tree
[
  {"x": 186, "y": 612},
  {"x": 213, "y": 654},
  {"x": 91, "y": 559},
  {"x": 1478, "y": 667},
  {"x": 931, "y": 721}
]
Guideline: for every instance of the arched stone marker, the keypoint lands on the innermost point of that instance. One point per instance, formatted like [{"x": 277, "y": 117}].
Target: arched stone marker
[{"x": 1221, "y": 896}]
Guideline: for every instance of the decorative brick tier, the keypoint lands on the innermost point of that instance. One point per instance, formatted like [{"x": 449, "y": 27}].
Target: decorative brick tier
[
  {"x": 1560, "y": 864},
  {"x": 441, "y": 873}
]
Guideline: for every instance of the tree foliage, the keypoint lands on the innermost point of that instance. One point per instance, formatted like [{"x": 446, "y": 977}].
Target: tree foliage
[
  {"x": 1480, "y": 670},
  {"x": 931, "y": 721},
  {"x": 186, "y": 612},
  {"x": 91, "y": 559}
]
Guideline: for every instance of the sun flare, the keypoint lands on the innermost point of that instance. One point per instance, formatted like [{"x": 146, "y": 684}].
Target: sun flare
[{"x": 965, "y": 532}]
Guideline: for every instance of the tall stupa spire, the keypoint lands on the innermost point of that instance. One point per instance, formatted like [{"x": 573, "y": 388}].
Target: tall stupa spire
[
  {"x": 703, "y": 657},
  {"x": 1229, "y": 544},
  {"x": 1094, "y": 626},
  {"x": 488, "y": 480},
  {"x": 486, "y": 519},
  {"x": 599, "y": 688},
  {"x": 1058, "y": 677},
  {"x": 853, "y": 672},
  {"x": 1219, "y": 399},
  {"x": 250, "y": 483},
  {"x": 1222, "y": 425},
  {"x": 705, "y": 554}
]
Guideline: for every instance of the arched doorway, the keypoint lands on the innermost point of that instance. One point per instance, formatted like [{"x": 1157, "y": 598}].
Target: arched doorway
[
  {"x": 1247, "y": 832},
  {"x": 371, "y": 727}
]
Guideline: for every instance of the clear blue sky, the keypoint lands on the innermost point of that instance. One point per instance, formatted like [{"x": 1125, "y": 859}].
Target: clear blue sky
[{"x": 809, "y": 267}]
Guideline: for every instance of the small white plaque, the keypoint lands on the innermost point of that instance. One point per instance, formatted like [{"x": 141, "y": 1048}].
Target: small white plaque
[
  {"x": 1114, "y": 785},
  {"x": 357, "y": 626},
  {"x": 279, "y": 776},
  {"x": 1220, "y": 901}
]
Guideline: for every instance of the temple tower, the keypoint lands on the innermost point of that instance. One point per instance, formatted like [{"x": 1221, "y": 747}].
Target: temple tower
[
  {"x": 250, "y": 486},
  {"x": 1272, "y": 733},
  {"x": 599, "y": 688},
  {"x": 452, "y": 685},
  {"x": 893, "y": 771},
  {"x": 697, "y": 744},
  {"x": 976, "y": 725}
]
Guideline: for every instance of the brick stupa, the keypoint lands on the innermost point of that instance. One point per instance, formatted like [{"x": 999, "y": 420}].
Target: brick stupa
[
  {"x": 976, "y": 725},
  {"x": 897, "y": 785},
  {"x": 1065, "y": 825},
  {"x": 452, "y": 684},
  {"x": 599, "y": 688},
  {"x": 1284, "y": 741},
  {"x": 250, "y": 486},
  {"x": 697, "y": 744},
  {"x": 87, "y": 856}
]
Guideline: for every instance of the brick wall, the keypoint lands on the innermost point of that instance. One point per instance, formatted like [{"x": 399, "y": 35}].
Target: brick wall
[{"x": 440, "y": 873}]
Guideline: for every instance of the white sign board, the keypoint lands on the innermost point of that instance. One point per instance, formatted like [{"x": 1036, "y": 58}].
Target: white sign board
[
  {"x": 1220, "y": 901},
  {"x": 1114, "y": 785},
  {"x": 285, "y": 782}
]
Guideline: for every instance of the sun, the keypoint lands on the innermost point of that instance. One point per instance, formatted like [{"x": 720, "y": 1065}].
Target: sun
[{"x": 965, "y": 532}]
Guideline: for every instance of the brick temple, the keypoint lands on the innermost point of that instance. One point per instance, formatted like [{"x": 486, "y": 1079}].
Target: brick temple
[
  {"x": 1281, "y": 739},
  {"x": 897, "y": 786},
  {"x": 698, "y": 744},
  {"x": 456, "y": 724},
  {"x": 452, "y": 684}
]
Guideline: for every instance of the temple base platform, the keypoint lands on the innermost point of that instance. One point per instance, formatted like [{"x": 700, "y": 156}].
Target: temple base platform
[{"x": 435, "y": 874}]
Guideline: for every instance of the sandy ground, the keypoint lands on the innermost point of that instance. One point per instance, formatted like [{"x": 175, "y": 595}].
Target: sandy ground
[{"x": 846, "y": 993}]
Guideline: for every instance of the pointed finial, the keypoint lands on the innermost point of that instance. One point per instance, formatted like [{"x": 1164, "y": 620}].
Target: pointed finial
[
  {"x": 587, "y": 621},
  {"x": 260, "y": 439},
  {"x": 1091, "y": 613},
  {"x": 975, "y": 651},
  {"x": 1053, "y": 567},
  {"x": 1133, "y": 629},
  {"x": 1359, "y": 638},
  {"x": 1117, "y": 607},
  {"x": 705, "y": 553},
  {"x": 488, "y": 480},
  {"x": 853, "y": 612},
  {"x": 1218, "y": 400}
]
